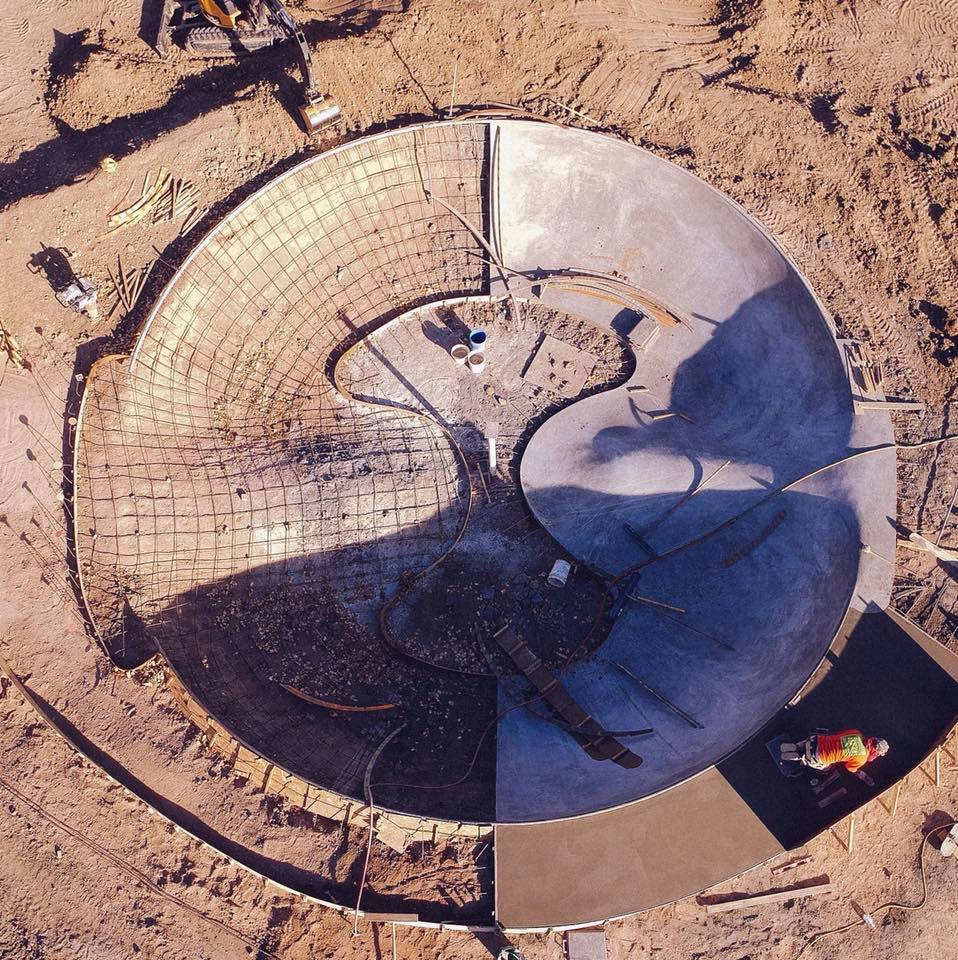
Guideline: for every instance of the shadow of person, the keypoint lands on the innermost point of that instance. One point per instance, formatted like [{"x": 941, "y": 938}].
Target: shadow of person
[{"x": 452, "y": 330}]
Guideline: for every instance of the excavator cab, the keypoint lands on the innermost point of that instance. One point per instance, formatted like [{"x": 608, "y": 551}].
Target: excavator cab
[{"x": 221, "y": 13}]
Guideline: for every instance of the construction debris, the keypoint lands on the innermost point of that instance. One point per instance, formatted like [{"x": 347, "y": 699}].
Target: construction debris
[
  {"x": 917, "y": 542},
  {"x": 150, "y": 196},
  {"x": 10, "y": 347},
  {"x": 192, "y": 219},
  {"x": 179, "y": 200},
  {"x": 128, "y": 285},
  {"x": 866, "y": 382},
  {"x": 584, "y": 728},
  {"x": 792, "y": 864}
]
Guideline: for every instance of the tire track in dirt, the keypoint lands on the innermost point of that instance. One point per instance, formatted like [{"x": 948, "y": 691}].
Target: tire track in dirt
[
  {"x": 19, "y": 27},
  {"x": 778, "y": 215},
  {"x": 935, "y": 267},
  {"x": 671, "y": 38},
  {"x": 930, "y": 18},
  {"x": 940, "y": 101}
]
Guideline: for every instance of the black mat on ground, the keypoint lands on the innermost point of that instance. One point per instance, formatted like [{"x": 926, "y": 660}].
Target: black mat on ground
[{"x": 877, "y": 677}]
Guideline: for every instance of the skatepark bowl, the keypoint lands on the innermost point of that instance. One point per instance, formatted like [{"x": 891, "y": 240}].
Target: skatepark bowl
[{"x": 285, "y": 491}]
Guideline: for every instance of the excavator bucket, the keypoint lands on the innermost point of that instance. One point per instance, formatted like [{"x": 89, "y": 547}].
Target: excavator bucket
[{"x": 318, "y": 112}]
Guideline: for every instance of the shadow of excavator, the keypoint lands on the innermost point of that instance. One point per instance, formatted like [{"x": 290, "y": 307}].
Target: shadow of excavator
[{"x": 231, "y": 640}]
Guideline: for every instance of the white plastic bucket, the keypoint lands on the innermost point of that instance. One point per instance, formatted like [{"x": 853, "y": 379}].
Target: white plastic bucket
[
  {"x": 559, "y": 573},
  {"x": 476, "y": 362}
]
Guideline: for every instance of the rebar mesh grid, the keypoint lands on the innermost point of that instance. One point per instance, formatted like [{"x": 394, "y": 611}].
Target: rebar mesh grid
[{"x": 221, "y": 475}]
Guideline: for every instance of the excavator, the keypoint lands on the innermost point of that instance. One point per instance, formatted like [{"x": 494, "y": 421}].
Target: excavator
[{"x": 225, "y": 28}]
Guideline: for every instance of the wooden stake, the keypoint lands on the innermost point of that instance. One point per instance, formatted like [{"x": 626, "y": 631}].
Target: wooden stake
[
  {"x": 483, "y": 480},
  {"x": 116, "y": 287},
  {"x": 790, "y": 865},
  {"x": 944, "y": 747},
  {"x": 931, "y": 779},
  {"x": 638, "y": 598}
]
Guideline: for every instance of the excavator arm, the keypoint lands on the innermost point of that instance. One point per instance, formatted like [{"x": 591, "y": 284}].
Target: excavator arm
[{"x": 220, "y": 27}]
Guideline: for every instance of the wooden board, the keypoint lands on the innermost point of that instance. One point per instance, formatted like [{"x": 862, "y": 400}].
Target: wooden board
[{"x": 777, "y": 897}]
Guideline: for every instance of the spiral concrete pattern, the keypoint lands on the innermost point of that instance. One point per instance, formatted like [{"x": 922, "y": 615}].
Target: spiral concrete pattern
[{"x": 219, "y": 463}]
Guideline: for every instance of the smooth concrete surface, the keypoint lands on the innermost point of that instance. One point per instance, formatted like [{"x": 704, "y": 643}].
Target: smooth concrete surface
[
  {"x": 755, "y": 372},
  {"x": 883, "y": 675},
  {"x": 611, "y": 864}
]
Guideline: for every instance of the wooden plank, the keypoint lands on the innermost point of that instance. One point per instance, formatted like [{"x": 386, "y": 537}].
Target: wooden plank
[
  {"x": 790, "y": 865},
  {"x": 913, "y": 406},
  {"x": 777, "y": 897}
]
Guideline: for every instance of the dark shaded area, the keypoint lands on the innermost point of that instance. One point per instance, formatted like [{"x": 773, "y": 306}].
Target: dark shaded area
[
  {"x": 822, "y": 109},
  {"x": 234, "y": 642},
  {"x": 944, "y": 327},
  {"x": 73, "y": 154},
  {"x": 52, "y": 262},
  {"x": 879, "y": 679},
  {"x": 70, "y": 51},
  {"x": 625, "y": 321},
  {"x": 282, "y": 871}
]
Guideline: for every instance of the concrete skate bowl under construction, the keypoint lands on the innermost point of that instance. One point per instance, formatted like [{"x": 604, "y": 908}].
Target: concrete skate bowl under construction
[{"x": 284, "y": 490}]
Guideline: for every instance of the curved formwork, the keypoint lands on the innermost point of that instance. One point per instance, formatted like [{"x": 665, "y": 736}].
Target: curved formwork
[{"x": 286, "y": 488}]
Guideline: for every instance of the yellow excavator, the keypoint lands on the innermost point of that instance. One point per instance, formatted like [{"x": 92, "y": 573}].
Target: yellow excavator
[{"x": 226, "y": 28}]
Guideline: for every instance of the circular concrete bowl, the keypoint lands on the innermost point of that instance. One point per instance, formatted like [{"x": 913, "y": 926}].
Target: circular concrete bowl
[{"x": 220, "y": 461}]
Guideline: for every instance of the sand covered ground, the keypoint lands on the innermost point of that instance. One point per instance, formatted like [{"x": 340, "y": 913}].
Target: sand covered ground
[{"x": 833, "y": 122}]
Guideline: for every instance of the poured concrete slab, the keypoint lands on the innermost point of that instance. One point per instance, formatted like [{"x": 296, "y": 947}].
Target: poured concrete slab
[
  {"x": 611, "y": 864},
  {"x": 884, "y": 676},
  {"x": 750, "y": 384}
]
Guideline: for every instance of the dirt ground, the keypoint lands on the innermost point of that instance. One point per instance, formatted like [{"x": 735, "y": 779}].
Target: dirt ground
[{"x": 833, "y": 123}]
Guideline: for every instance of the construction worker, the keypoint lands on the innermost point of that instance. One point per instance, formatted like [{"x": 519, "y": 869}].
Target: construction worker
[{"x": 822, "y": 750}]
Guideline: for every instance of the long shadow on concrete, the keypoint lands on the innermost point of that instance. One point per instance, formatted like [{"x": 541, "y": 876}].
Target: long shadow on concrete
[{"x": 882, "y": 676}]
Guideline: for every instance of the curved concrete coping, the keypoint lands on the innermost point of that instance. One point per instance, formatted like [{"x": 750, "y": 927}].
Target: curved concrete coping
[{"x": 745, "y": 395}]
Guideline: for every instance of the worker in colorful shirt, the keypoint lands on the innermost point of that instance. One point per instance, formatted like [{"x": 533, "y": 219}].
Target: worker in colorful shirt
[{"x": 823, "y": 750}]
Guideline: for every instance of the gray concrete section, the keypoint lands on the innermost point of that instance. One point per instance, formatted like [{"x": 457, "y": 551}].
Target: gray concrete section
[
  {"x": 882, "y": 673},
  {"x": 616, "y": 863},
  {"x": 756, "y": 372}
]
